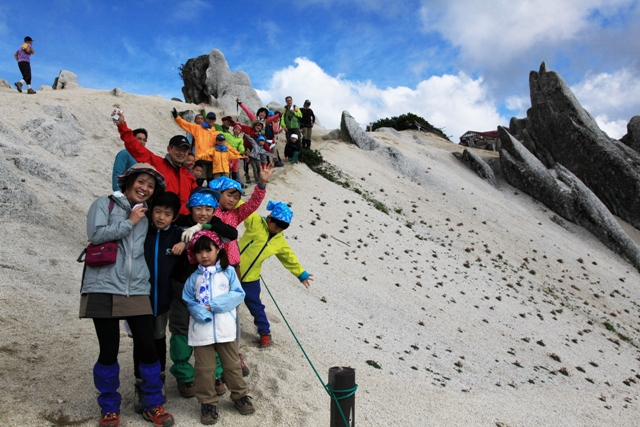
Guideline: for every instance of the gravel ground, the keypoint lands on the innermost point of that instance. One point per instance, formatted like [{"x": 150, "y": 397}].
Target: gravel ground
[{"x": 463, "y": 305}]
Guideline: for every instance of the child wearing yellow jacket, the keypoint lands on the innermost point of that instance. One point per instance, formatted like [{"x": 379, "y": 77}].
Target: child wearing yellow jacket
[
  {"x": 220, "y": 155},
  {"x": 262, "y": 238}
]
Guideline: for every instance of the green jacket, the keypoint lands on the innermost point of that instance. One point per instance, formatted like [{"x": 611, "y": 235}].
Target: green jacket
[
  {"x": 290, "y": 119},
  {"x": 236, "y": 142},
  {"x": 256, "y": 245}
]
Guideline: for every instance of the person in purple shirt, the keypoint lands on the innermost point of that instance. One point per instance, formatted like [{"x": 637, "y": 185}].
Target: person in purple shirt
[{"x": 23, "y": 56}]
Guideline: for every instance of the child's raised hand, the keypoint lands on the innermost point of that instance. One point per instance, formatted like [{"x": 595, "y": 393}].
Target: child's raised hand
[
  {"x": 265, "y": 174},
  {"x": 178, "y": 248},
  {"x": 306, "y": 282}
]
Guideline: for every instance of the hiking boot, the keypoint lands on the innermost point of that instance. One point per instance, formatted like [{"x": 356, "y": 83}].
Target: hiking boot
[
  {"x": 110, "y": 420},
  {"x": 31, "y": 91},
  {"x": 137, "y": 397},
  {"x": 244, "y": 405},
  {"x": 243, "y": 364},
  {"x": 18, "y": 86},
  {"x": 265, "y": 340},
  {"x": 159, "y": 417},
  {"x": 247, "y": 180},
  {"x": 208, "y": 414},
  {"x": 187, "y": 390},
  {"x": 220, "y": 387}
]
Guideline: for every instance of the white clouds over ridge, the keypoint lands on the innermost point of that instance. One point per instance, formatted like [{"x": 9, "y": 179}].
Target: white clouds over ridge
[
  {"x": 494, "y": 32},
  {"x": 456, "y": 103}
]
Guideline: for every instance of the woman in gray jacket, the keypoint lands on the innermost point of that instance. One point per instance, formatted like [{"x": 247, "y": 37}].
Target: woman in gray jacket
[{"x": 121, "y": 291}]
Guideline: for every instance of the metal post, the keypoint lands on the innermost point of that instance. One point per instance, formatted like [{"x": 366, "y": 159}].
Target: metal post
[{"x": 342, "y": 378}]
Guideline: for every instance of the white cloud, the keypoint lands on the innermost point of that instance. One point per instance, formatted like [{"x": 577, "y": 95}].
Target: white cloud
[
  {"x": 614, "y": 128},
  {"x": 616, "y": 92},
  {"x": 496, "y": 31},
  {"x": 456, "y": 103},
  {"x": 518, "y": 105}
]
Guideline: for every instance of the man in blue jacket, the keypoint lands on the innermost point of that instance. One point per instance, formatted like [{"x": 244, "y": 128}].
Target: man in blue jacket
[{"x": 124, "y": 160}]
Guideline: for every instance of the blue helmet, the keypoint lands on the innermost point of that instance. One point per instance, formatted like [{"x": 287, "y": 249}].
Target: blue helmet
[
  {"x": 223, "y": 183},
  {"x": 280, "y": 211},
  {"x": 204, "y": 197}
]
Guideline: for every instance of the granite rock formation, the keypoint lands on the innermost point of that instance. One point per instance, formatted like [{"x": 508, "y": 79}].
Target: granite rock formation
[
  {"x": 558, "y": 130},
  {"x": 561, "y": 191},
  {"x": 208, "y": 77},
  {"x": 632, "y": 138},
  {"x": 476, "y": 164}
]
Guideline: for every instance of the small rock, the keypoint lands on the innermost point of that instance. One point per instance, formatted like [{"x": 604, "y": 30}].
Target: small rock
[
  {"x": 117, "y": 92},
  {"x": 66, "y": 80}
]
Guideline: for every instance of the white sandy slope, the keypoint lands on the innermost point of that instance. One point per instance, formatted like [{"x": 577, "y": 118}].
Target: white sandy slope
[{"x": 449, "y": 294}]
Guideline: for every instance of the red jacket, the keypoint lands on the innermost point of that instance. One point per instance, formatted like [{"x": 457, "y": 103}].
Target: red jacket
[{"x": 177, "y": 180}]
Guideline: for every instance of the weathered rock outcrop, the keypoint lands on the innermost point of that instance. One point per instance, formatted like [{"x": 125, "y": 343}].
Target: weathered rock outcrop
[
  {"x": 476, "y": 164},
  {"x": 565, "y": 194},
  {"x": 351, "y": 131},
  {"x": 558, "y": 130},
  {"x": 66, "y": 80},
  {"x": 209, "y": 76},
  {"x": 632, "y": 138}
]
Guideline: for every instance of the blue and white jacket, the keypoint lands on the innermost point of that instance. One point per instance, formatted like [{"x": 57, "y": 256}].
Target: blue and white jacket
[{"x": 218, "y": 325}]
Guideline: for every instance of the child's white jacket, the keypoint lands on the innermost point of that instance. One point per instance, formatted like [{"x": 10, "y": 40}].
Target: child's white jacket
[{"x": 218, "y": 325}]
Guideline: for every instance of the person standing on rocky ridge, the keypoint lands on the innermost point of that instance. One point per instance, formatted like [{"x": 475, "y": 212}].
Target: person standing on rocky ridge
[
  {"x": 23, "y": 56},
  {"x": 290, "y": 121},
  {"x": 306, "y": 124}
]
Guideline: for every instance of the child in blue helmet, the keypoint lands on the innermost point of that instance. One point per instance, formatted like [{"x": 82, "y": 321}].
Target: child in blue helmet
[{"x": 263, "y": 238}]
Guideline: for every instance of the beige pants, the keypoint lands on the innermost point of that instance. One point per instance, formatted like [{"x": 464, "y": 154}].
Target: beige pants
[{"x": 205, "y": 372}]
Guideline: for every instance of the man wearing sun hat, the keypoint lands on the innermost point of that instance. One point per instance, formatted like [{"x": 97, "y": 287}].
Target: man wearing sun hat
[{"x": 178, "y": 179}]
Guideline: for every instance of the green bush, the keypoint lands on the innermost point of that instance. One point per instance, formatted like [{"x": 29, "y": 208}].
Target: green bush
[
  {"x": 408, "y": 121},
  {"x": 312, "y": 158}
]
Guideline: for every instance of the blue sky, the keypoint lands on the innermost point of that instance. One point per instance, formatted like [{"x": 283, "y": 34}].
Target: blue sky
[{"x": 460, "y": 64}]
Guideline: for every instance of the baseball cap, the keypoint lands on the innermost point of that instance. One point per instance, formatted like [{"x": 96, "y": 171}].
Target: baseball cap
[
  {"x": 211, "y": 115},
  {"x": 179, "y": 141}
]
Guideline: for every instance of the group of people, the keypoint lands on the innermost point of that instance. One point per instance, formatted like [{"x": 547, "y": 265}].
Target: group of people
[
  {"x": 218, "y": 148},
  {"x": 179, "y": 262}
]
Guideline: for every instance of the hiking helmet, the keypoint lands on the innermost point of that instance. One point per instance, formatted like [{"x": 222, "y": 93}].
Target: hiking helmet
[
  {"x": 280, "y": 211},
  {"x": 223, "y": 183},
  {"x": 204, "y": 197}
]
